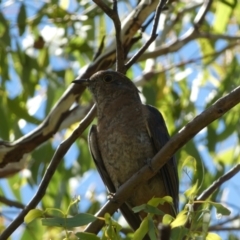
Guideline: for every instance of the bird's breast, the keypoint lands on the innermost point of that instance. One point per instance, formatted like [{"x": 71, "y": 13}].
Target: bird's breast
[{"x": 124, "y": 144}]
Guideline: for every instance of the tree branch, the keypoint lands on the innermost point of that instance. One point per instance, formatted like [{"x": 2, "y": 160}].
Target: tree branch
[
  {"x": 164, "y": 232},
  {"x": 191, "y": 34},
  {"x": 202, "y": 13},
  {"x": 56, "y": 159},
  {"x": 139, "y": 81},
  {"x": 216, "y": 184},
  {"x": 175, "y": 143},
  {"x": 14, "y": 151},
  {"x": 11, "y": 203},
  {"x": 113, "y": 14},
  {"x": 226, "y": 229},
  {"x": 152, "y": 37},
  {"x": 224, "y": 222}
]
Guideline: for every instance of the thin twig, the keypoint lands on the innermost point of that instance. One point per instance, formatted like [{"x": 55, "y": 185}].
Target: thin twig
[
  {"x": 150, "y": 74},
  {"x": 56, "y": 159},
  {"x": 226, "y": 229},
  {"x": 216, "y": 184},
  {"x": 119, "y": 50},
  {"x": 224, "y": 222},
  {"x": 152, "y": 37},
  {"x": 13, "y": 152},
  {"x": 214, "y": 112},
  {"x": 191, "y": 34},
  {"x": 11, "y": 203},
  {"x": 113, "y": 14},
  {"x": 100, "y": 49},
  {"x": 143, "y": 28},
  {"x": 202, "y": 13}
]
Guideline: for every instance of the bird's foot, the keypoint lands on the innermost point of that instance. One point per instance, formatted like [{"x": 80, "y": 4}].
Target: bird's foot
[
  {"x": 148, "y": 161},
  {"x": 111, "y": 198},
  {"x": 110, "y": 195}
]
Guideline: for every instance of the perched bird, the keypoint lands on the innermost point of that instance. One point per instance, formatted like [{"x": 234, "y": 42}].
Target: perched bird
[{"x": 128, "y": 134}]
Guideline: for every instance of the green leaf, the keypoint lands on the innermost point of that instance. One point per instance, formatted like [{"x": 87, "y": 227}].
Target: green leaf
[
  {"x": 43, "y": 58},
  {"x": 33, "y": 22},
  {"x": 69, "y": 76},
  {"x": 80, "y": 219},
  {"x": 156, "y": 201},
  {"x": 167, "y": 219},
  {"x": 139, "y": 208},
  {"x": 4, "y": 70},
  {"x": 153, "y": 210},
  {"x": 180, "y": 219},
  {"x": 213, "y": 236},
  {"x": 148, "y": 209},
  {"x": 32, "y": 215},
  {"x": 78, "y": 43},
  {"x": 152, "y": 229},
  {"x": 142, "y": 230},
  {"x": 227, "y": 156},
  {"x": 151, "y": 206},
  {"x": 190, "y": 161},
  {"x": 4, "y": 116},
  {"x": 192, "y": 191},
  {"x": 4, "y": 31},
  {"x": 206, "y": 47},
  {"x": 87, "y": 236},
  {"x": 64, "y": 4},
  {"x": 231, "y": 121},
  {"x": 212, "y": 135},
  {"x": 220, "y": 208},
  {"x": 222, "y": 16},
  {"x": 179, "y": 233},
  {"x": 21, "y": 19},
  {"x": 112, "y": 228},
  {"x": 31, "y": 230}
]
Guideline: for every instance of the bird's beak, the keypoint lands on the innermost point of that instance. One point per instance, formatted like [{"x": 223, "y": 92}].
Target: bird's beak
[{"x": 84, "y": 82}]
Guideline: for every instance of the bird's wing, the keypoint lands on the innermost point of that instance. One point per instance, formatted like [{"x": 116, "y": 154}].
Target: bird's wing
[
  {"x": 159, "y": 135},
  {"x": 132, "y": 218},
  {"x": 96, "y": 155}
]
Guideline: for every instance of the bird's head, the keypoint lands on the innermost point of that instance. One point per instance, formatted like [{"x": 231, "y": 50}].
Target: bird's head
[{"x": 108, "y": 84}]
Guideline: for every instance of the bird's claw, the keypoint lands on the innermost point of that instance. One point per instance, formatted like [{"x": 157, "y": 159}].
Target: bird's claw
[
  {"x": 148, "y": 161},
  {"x": 111, "y": 198}
]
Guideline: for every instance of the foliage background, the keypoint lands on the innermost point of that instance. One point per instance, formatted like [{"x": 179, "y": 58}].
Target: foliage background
[{"x": 44, "y": 45}]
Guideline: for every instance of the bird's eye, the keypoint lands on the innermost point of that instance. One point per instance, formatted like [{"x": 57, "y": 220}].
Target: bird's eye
[{"x": 107, "y": 78}]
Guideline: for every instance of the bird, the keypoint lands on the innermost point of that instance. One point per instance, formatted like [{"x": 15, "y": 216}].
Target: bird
[{"x": 127, "y": 136}]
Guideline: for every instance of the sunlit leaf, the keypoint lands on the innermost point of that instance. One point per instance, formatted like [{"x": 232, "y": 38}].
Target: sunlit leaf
[
  {"x": 222, "y": 15},
  {"x": 180, "y": 220},
  {"x": 142, "y": 230},
  {"x": 190, "y": 161},
  {"x": 32, "y": 215},
  {"x": 156, "y": 201},
  {"x": 213, "y": 236},
  {"x": 64, "y": 4},
  {"x": 192, "y": 191},
  {"x": 167, "y": 219}
]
